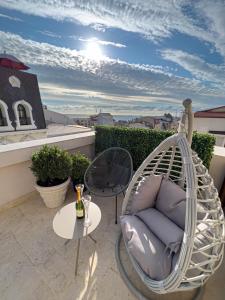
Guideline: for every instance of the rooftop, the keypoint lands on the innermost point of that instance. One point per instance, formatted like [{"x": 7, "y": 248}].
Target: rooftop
[
  {"x": 60, "y": 129},
  {"x": 36, "y": 263},
  {"x": 217, "y": 112}
]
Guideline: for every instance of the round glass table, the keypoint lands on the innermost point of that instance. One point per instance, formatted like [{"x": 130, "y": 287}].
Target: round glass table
[{"x": 67, "y": 226}]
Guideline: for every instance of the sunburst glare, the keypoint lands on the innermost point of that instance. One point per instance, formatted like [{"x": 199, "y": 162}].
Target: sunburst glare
[{"x": 93, "y": 51}]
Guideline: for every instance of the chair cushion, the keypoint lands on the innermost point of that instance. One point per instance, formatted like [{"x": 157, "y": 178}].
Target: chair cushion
[
  {"x": 146, "y": 193},
  {"x": 171, "y": 201},
  {"x": 168, "y": 232},
  {"x": 149, "y": 252}
]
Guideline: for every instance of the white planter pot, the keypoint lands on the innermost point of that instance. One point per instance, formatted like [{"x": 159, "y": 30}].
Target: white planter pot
[{"x": 53, "y": 196}]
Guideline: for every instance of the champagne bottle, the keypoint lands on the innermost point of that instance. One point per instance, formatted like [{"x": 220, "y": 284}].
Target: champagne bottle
[{"x": 79, "y": 205}]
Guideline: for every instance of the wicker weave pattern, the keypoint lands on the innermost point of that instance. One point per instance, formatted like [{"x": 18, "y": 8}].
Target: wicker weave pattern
[{"x": 174, "y": 158}]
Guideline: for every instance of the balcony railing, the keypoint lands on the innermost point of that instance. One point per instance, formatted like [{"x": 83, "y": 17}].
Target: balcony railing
[
  {"x": 17, "y": 181},
  {"x": 16, "y": 178}
]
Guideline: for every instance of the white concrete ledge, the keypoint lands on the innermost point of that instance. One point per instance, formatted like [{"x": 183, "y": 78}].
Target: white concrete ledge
[
  {"x": 19, "y": 132},
  {"x": 16, "y": 179},
  {"x": 20, "y": 152},
  {"x": 217, "y": 166}
]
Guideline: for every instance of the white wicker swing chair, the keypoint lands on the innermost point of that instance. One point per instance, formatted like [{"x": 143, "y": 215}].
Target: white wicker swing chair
[{"x": 174, "y": 158}]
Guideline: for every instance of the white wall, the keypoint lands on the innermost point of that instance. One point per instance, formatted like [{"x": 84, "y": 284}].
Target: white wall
[
  {"x": 16, "y": 179},
  {"x": 207, "y": 124},
  {"x": 211, "y": 124},
  {"x": 217, "y": 166},
  {"x": 220, "y": 140},
  {"x": 54, "y": 117}
]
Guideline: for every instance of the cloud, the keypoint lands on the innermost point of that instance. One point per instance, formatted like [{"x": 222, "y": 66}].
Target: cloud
[
  {"x": 197, "y": 66},
  {"x": 213, "y": 13},
  {"x": 67, "y": 74},
  {"x": 155, "y": 19},
  {"x": 100, "y": 42},
  {"x": 10, "y": 17},
  {"x": 98, "y": 27},
  {"x": 50, "y": 34}
]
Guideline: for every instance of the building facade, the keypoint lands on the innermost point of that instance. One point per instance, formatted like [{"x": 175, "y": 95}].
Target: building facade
[
  {"x": 21, "y": 112},
  {"x": 211, "y": 121},
  {"x": 102, "y": 119}
]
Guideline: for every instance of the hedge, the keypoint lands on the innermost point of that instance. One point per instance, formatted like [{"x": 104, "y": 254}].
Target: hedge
[{"x": 141, "y": 142}]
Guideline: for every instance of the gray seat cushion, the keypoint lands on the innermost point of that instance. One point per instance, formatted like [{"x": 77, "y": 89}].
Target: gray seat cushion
[
  {"x": 162, "y": 227},
  {"x": 146, "y": 193},
  {"x": 149, "y": 252},
  {"x": 171, "y": 201}
]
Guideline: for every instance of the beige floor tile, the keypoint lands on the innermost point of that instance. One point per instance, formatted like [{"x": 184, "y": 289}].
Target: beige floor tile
[
  {"x": 35, "y": 263},
  {"x": 18, "y": 277}
]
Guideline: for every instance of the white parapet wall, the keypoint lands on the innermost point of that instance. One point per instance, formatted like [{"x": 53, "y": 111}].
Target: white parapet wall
[
  {"x": 16, "y": 178},
  {"x": 22, "y": 136},
  {"x": 217, "y": 166}
]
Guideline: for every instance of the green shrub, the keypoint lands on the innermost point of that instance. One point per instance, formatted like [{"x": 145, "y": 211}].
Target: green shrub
[
  {"x": 51, "y": 165},
  {"x": 203, "y": 144},
  {"x": 80, "y": 164},
  {"x": 141, "y": 142}
]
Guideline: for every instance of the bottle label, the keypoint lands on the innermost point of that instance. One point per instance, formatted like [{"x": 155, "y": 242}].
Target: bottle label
[{"x": 80, "y": 213}]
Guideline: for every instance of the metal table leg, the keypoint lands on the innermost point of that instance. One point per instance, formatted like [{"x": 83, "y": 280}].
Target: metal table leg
[
  {"x": 90, "y": 236},
  {"x": 77, "y": 257},
  {"x": 66, "y": 242},
  {"x": 116, "y": 211}
]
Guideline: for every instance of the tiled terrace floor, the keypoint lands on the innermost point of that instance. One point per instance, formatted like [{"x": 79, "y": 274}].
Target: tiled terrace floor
[{"x": 36, "y": 265}]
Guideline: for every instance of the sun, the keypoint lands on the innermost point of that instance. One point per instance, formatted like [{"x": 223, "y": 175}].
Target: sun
[{"x": 93, "y": 51}]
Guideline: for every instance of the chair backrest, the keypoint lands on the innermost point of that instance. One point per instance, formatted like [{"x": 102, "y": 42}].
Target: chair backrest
[{"x": 110, "y": 171}]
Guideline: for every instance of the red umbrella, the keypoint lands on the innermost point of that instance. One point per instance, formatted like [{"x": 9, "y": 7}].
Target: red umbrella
[{"x": 10, "y": 61}]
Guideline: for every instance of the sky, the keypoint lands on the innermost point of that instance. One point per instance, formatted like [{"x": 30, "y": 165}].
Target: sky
[{"x": 127, "y": 57}]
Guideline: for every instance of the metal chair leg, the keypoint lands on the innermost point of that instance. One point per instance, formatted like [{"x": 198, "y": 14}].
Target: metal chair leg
[
  {"x": 77, "y": 256},
  {"x": 116, "y": 211}
]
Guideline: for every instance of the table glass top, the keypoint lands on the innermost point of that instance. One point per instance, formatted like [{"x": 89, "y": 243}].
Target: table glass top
[{"x": 66, "y": 225}]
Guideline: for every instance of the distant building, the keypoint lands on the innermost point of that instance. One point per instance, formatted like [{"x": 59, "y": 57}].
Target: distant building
[
  {"x": 21, "y": 113},
  {"x": 86, "y": 122},
  {"x": 102, "y": 119},
  {"x": 211, "y": 121},
  {"x": 137, "y": 125},
  {"x": 157, "y": 122},
  {"x": 122, "y": 123},
  {"x": 148, "y": 121}
]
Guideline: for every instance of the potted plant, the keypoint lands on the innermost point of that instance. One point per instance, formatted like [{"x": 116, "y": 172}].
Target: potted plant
[
  {"x": 52, "y": 167},
  {"x": 80, "y": 164}
]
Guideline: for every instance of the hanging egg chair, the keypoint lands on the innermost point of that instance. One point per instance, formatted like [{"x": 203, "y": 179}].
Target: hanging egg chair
[{"x": 195, "y": 261}]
